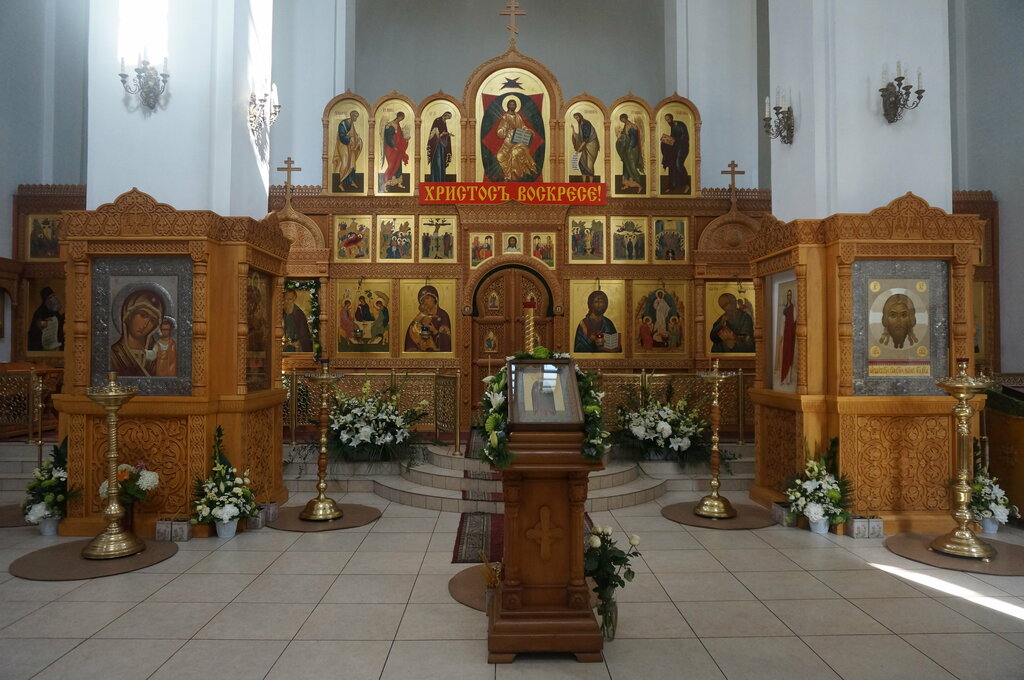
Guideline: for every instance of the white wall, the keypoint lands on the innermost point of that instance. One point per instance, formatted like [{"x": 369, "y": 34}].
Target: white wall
[
  {"x": 991, "y": 153},
  {"x": 845, "y": 157},
  {"x": 714, "y": 48}
]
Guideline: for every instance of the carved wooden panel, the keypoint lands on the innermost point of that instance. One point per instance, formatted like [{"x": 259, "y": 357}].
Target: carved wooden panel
[{"x": 780, "y": 452}]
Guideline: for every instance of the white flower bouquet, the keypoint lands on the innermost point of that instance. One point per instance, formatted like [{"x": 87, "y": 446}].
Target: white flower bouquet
[
  {"x": 988, "y": 499},
  {"x": 224, "y": 495},
  {"x": 47, "y": 493},
  {"x": 370, "y": 426},
  {"x": 662, "y": 429},
  {"x": 134, "y": 482},
  {"x": 819, "y": 494}
]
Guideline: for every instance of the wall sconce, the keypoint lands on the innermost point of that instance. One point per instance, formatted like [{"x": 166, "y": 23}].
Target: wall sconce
[
  {"x": 148, "y": 83},
  {"x": 260, "y": 112},
  {"x": 896, "y": 95},
  {"x": 782, "y": 126}
]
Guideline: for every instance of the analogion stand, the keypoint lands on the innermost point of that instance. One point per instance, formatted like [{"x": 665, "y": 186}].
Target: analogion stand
[{"x": 542, "y": 603}]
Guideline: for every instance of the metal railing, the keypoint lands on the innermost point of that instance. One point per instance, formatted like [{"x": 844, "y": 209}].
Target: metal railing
[{"x": 21, "y": 406}]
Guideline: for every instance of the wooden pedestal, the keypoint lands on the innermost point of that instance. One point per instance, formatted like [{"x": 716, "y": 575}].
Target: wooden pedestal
[{"x": 542, "y": 603}]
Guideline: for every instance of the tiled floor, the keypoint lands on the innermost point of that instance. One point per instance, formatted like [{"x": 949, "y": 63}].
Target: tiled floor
[{"x": 372, "y": 603}]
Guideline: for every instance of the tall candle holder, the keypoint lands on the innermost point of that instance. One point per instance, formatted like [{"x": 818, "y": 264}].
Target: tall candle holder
[
  {"x": 714, "y": 506},
  {"x": 529, "y": 327},
  {"x": 114, "y": 540},
  {"x": 961, "y": 541},
  {"x": 322, "y": 508}
]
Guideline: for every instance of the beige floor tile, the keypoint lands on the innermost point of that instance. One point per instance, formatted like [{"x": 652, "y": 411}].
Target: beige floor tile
[
  {"x": 66, "y": 620},
  {"x": 368, "y": 562},
  {"x": 438, "y": 660},
  {"x": 861, "y": 583},
  {"x": 875, "y": 657},
  {"x": 222, "y": 660},
  {"x": 352, "y": 622},
  {"x": 293, "y": 562},
  {"x": 363, "y": 660},
  {"x": 22, "y": 659},
  {"x": 681, "y": 561},
  {"x": 817, "y": 617},
  {"x": 651, "y": 620},
  {"x": 111, "y": 660},
  {"x": 162, "y": 620},
  {"x": 728, "y": 540},
  {"x": 451, "y": 621},
  {"x": 550, "y": 667},
  {"x": 1011, "y": 585},
  {"x": 945, "y": 582},
  {"x": 667, "y": 540},
  {"x": 403, "y": 525},
  {"x": 440, "y": 563},
  {"x": 916, "y": 615},
  {"x": 1015, "y": 638},
  {"x": 704, "y": 587},
  {"x": 784, "y": 585},
  {"x": 19, "y": 589},
  {"x": 978, "y": 656},
  {"x": 203, "y": 588},
  {"x": 287, "y": 588},
  {"x": 235, "y": 562},
  {"x": 370, "y": 589},
  {"x": 633, "y": 524},
  {"x": 816, "y": 559},
  {"x": 256, "y": 621},
  {"x": 263, "y": 539},
  {"x": 395, "y": 542},
  {"x": 12, "y": 611},
  {"x": 659, "y": 660},
  {"x": 792, "y": 537},
  {"x": 753, "y": 559},
  {"x": 448, "y": 522},
  {"x": 649, "y": 509},
  {"x": 883, "y": 555},
  {"x": 997, "y": 614},
  {"x": 643, "y": 588},
  {"x": 371, "y": 499},
  {"x": 399, "y": 510},
  {"x": 442, "y": 542},
  {"x": 329, "y": 541},
  {"x": 767, "y": 658},
  {"x": 432, "y": 589},
  {"x": 732, "y": 619},
  {"x": 133, "y": 587},
  {"x": 178, "y": 563}
]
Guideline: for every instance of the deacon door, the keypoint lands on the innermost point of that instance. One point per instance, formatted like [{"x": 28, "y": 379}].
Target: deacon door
[{"x": 498, "y": 321}]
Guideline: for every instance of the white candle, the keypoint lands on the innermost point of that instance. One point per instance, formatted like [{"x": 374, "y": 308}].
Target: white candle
[
  {"x": 767, "y": 109},
  {"x": 145, "y": 54},
  {"x": 165, "y": 65},
  {"x": 919, "y": 80},
  {"x": 899, "y": 69},
  {"x": 885, "y": 75},
  {"x": 122, "y": 66},
  {"x": 777, "y": 96},
  {"x": 273, "y": 94}
]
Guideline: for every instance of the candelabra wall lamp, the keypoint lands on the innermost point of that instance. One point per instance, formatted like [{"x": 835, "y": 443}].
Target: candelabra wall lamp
[
  {"x": 782, "y": 126},
  {"x": 147, "y": 82},
  {"x": 896, "y": 95},
  {"x": 263, "y": 110}
]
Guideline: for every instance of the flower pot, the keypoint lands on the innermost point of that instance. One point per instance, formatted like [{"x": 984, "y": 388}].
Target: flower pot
[
  {"x": 819, "y": 526},
  {"x": 48, "y": 526},
  {"x": 227, "y": 529},
  {"x": 989, "y": 525},
  {"x": 608, "y": 615}
]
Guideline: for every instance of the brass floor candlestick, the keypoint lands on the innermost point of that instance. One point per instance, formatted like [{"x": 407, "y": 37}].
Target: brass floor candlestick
[
  {"x": 529, "y": 329},
  {"x": 322, "y": 508},
  {"x": 961, "y": 541},
  {"x": 115, "y": 540},
  {"x": 714, "y": 506}
]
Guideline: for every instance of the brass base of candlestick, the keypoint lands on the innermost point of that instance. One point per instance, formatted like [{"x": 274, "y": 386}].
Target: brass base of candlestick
[
  {"x": 714, "y": 506},
  {"x": 963, "y": 543},
  {"x": 321, "y": 509},
  {"x": 113, "y": 542}
]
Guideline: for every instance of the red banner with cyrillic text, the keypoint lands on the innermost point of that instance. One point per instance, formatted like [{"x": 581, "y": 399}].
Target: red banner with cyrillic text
[{"x": 538, "y": 193}]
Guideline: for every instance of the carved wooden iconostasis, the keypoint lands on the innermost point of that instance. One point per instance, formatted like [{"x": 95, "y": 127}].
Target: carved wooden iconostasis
[
  {"x": 209, "y": 285},
  {"x": 860, "y": 314},
  {"x": 649, "y": 248}
]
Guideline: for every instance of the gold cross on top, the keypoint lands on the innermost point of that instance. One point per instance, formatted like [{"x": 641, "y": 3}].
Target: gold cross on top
[
  {"x": 512, "y": 12},
  {"x": 288, "y": 163},
  {"x": 732, "y": 172}
]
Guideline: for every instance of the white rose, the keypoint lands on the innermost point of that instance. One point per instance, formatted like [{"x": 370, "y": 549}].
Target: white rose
[
  {"x": 634, "y": 540},
  {"x": 663, "y": 428},
  {"x": 999, "y": 512},
  {"x": 814, "y": 512},
  {"x": 595, "y": 542},
  {"x": 638, "y": 431}
]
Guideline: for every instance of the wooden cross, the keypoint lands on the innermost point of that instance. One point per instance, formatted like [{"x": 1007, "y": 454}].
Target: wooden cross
[
  {"x": 732, "y": 172},
  {"x": 288, "y": 163},
  {"x": 512, "y": 12},
  {"x": 544, "y": 533}
]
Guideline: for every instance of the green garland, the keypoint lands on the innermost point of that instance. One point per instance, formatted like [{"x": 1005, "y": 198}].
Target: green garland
[
  {"x": 495, "y": 413},
  {"x": 313, "y": 286}
]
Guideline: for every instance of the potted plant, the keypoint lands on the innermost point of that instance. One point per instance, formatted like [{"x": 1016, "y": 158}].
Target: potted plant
[
  {"x": 134, "y": 483},
  {"x": 989, "y": 503},
  {"x": 819, "y": 495},
  {"x": 494, "y": 412},
  {"x": 47, "y": 493},
  {"x": 661, "y": 430},
  {"x": 608, "y": 566},
  {"x": 224, "y": 497},
  {"x": 371, "y": 427}
]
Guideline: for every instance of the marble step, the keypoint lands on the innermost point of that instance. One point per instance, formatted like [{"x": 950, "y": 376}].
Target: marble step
[
  {"x": 406, "y": 492},
  {"x": 428, "y": 474}
]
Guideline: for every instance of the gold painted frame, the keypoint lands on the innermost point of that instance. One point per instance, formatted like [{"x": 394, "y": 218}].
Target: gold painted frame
[
  {"x": 670, "y": 240},
  {"x": 741, "y": 329},
  {"x": 628, "y": 240},
  {"x": 428, "y": 329},
  {"x": 351, "y": 238},
  {"x": 588, "y": 239},
  {"x": 433, "y": 246},
  {"x": 597, "y": 338},
  {"x": 396, "y": 238},
  {"x": 665, "y": 304}
]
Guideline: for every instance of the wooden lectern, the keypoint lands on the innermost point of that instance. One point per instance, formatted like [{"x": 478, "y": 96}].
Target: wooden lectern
[{"x": 542, "y": 603}]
